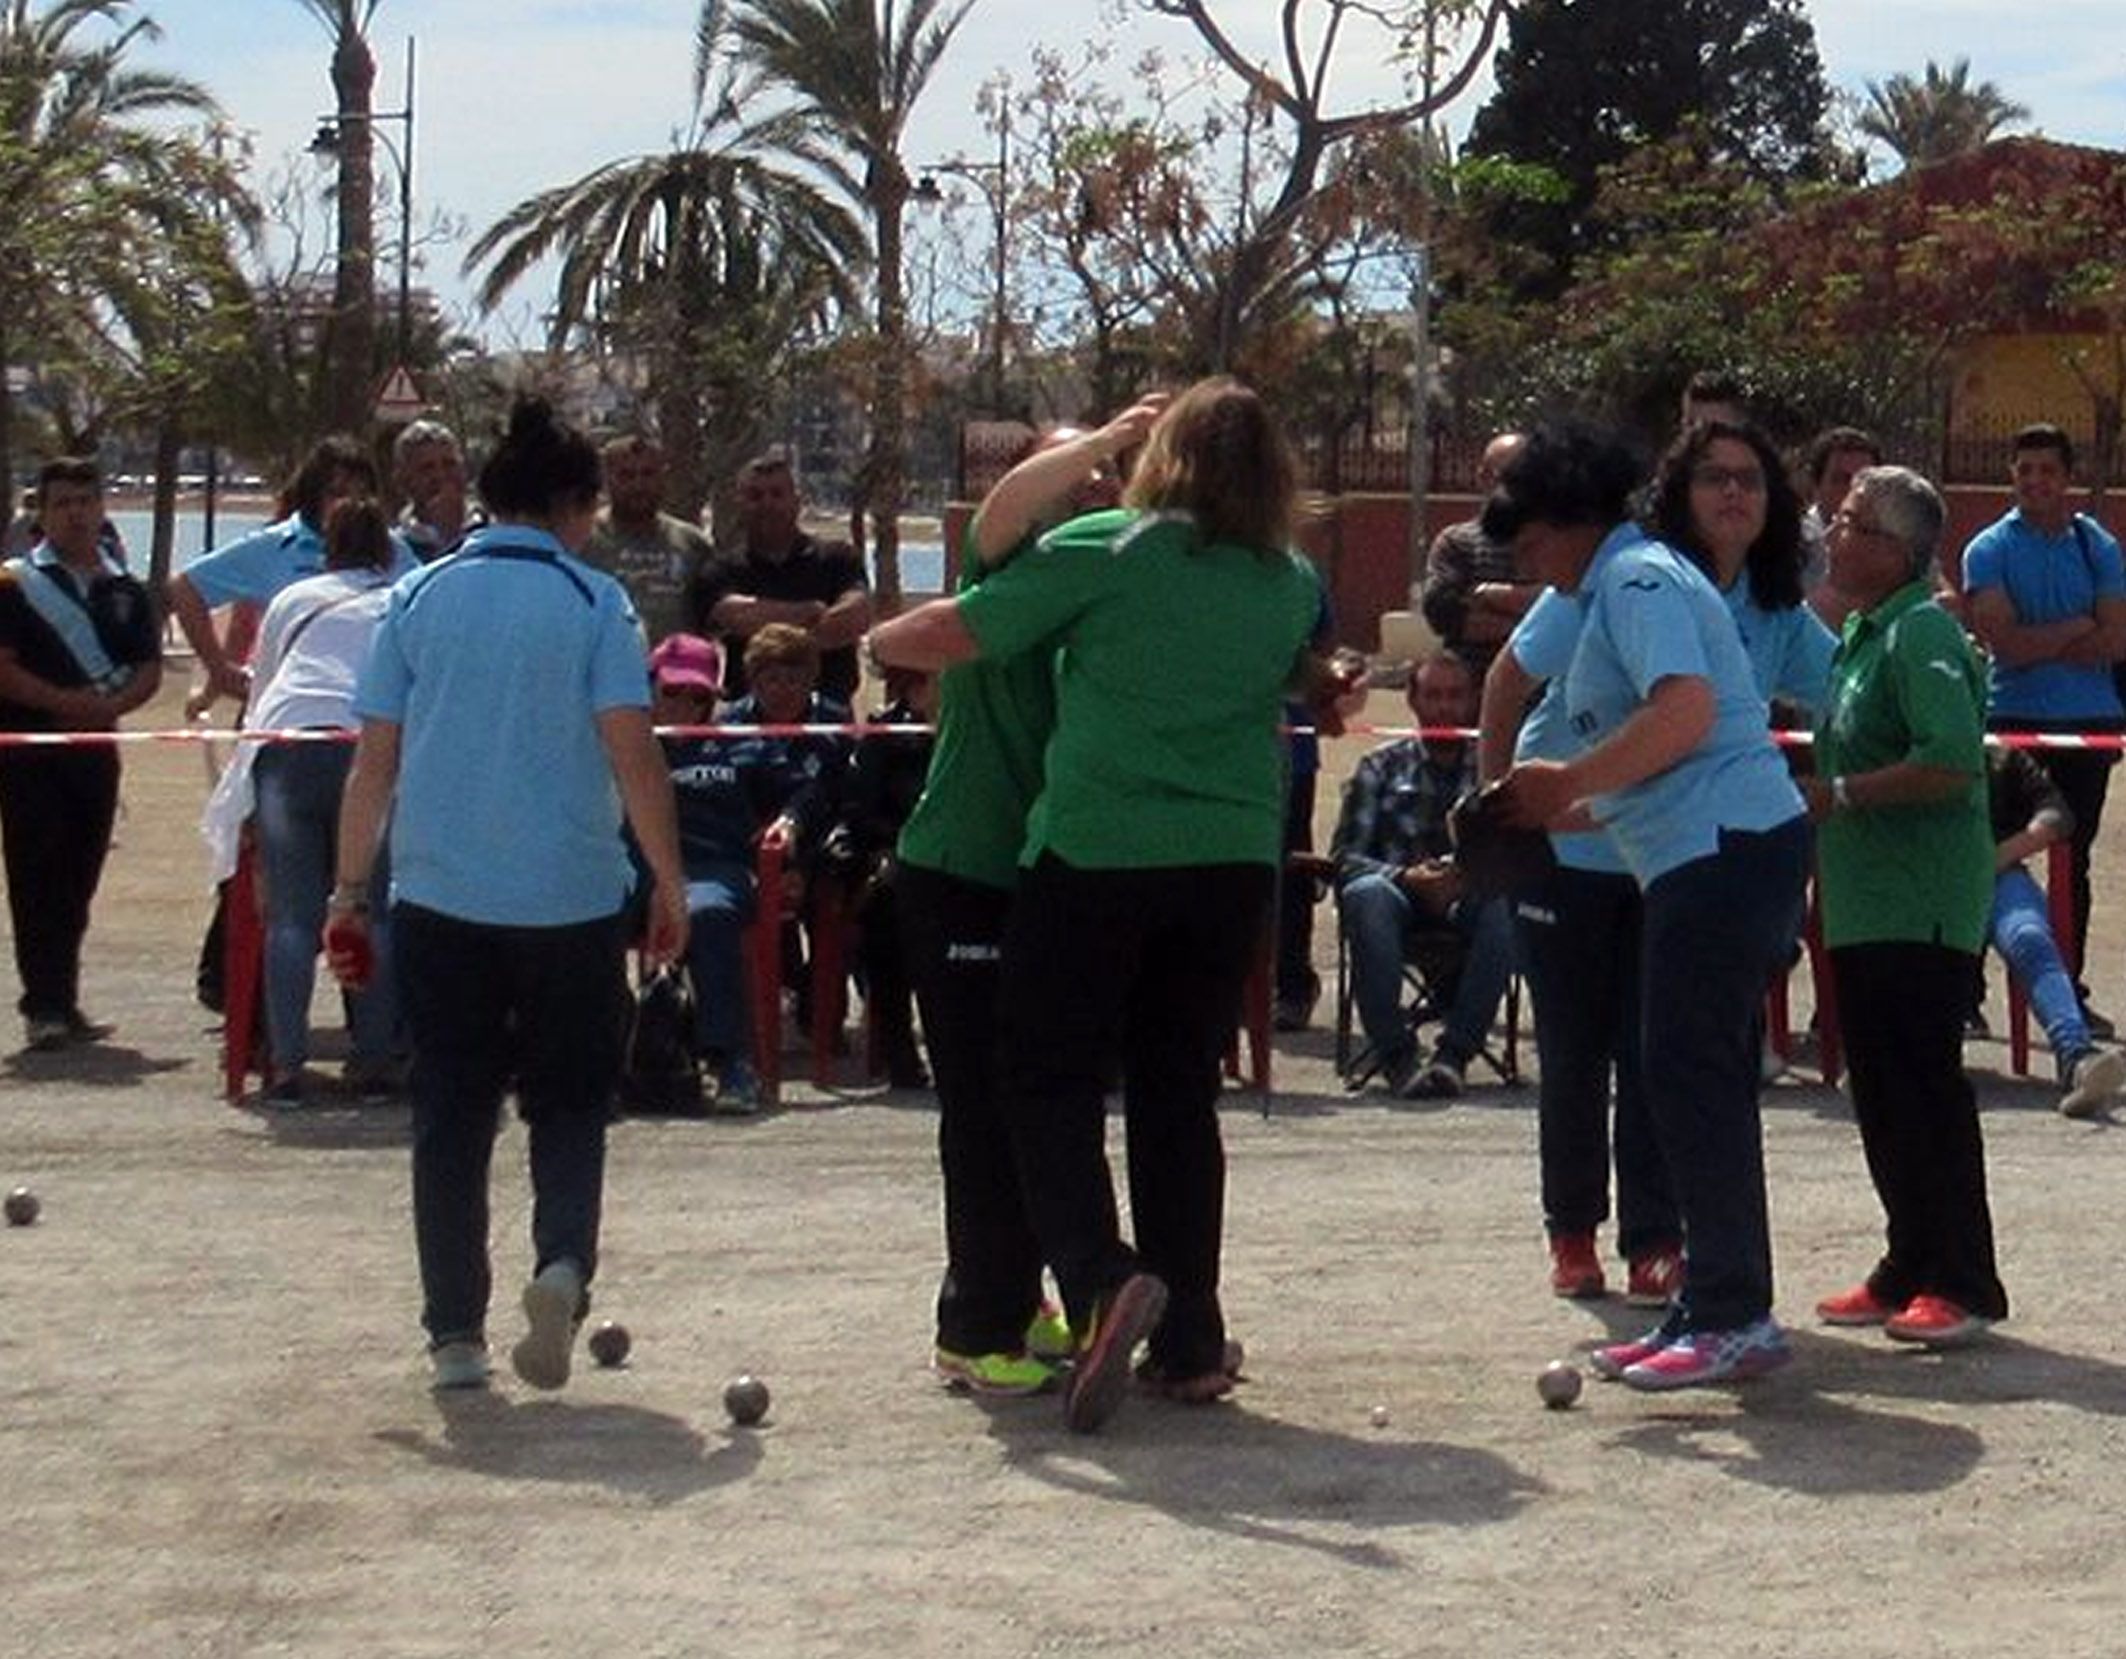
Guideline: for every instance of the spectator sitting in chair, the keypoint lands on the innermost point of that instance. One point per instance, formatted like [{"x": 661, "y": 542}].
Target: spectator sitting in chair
[
  {"x": 885, "y": 781},
  {"x": 804, "y": 776},
  {"x": 721, "y": 812},
  {"x": 1394, "y": 879},
  {"x": 2029, "y": 815}
]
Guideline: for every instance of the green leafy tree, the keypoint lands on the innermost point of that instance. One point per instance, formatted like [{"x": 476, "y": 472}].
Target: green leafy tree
[
  {"x": 852, "y": 72},
  {"x": 1584, "y": 83},
  {"x": 701, "y": 268},
  {"x": 1937, "y": 116},
  {"x": 92, "y": 197}
]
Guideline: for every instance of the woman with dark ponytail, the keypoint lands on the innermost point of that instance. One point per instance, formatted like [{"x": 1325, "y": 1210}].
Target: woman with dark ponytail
[{"x": 505, "y": 730}]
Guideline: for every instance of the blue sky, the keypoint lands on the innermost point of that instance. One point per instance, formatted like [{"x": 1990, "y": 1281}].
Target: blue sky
[{"x": 515, "y": 95}]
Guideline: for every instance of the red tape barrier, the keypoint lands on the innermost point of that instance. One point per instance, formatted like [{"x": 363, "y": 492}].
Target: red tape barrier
[{"x": 863, "y": 729}]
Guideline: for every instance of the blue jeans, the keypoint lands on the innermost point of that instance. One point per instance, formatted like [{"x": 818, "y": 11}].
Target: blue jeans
[
  {"x": 545, "y": 1009},
  {"x": 298, "y": 787},
  {"x": 1713, "y": 931},
  {"x": 1378, "y": 920},
  {"x": 2021, "y": 931},
  {"x": 1579, "y": 946},
  {"x": 719, "y": 904}
]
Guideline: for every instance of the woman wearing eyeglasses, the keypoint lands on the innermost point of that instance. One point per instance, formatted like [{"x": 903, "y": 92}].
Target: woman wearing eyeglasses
[
  {"x": 1722, "y": 497},
  {"x": 1674, "y": 761},
  {"x": 1906, "y": 868}
]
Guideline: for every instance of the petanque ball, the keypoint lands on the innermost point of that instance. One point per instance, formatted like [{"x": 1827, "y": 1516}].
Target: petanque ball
[
  {"x": 22, "y": 1207},
  {"x": 1380, "y": 1417},
  {"x": 609, "y": 1344},
  {"x": 1558, "y": 1384},
  {"x": 746, "y": 1399}
]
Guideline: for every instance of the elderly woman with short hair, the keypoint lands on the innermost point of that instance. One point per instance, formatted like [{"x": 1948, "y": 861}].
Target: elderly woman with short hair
[{"x": 1905, "y": 862}]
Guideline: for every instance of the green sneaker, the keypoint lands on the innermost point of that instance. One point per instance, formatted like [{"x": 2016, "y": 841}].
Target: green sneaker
[
  {"x": 1048, "y": 1335},
  {"x": 993, "y": 1373}
]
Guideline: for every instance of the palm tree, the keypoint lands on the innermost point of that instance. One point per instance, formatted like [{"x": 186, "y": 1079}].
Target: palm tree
[
  {"x": 1936, "y": 117},
  {"x": 90, "y": 195},
  {"x": 706, "y": 265},
  {"x": 853, "y": 70},
  {"x": 351, "y": 341}
]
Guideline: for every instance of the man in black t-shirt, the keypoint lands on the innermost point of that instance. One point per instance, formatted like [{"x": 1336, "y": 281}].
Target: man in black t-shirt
[
  {"x": 80, "y": 645},
  {"x": 777, "y": 573}
]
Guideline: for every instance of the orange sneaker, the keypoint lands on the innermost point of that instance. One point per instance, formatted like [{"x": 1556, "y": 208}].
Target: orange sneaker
[
  {"x": 1575, "y": 1269},
  {"x": 1936, "y": 1322},
  {"x": 1858, "y": 1306},
  {"x": 1655, "y": 1278}
]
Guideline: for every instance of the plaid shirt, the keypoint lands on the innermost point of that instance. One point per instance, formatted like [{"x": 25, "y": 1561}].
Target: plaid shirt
[{"x": 1395, "y": 808}]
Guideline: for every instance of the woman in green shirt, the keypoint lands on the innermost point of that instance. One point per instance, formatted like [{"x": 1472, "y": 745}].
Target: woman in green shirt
[
  {"x": 1905, "y": 870},
  {"x": 1148, "y": 865}
]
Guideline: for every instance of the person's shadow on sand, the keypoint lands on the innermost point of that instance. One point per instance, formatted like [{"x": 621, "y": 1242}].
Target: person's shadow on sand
[
  {"x": 649, "y": 1454},
  {"x": 1233, "y": 1471},
  {"x": 1823, "y": 1429}
]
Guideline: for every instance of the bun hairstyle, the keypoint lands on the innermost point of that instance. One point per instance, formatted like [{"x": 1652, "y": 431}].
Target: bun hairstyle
[
  {"x": 358, "y": 535},
  {"x": 543, "y": 465}
]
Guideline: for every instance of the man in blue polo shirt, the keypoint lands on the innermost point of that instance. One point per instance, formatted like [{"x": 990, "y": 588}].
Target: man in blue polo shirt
[
  {"x": 2047, "y": 598},
  {"x": 252, "y": 569}
]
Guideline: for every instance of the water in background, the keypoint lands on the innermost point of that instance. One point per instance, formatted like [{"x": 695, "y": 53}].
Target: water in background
[{"x": 922, "y": 562}]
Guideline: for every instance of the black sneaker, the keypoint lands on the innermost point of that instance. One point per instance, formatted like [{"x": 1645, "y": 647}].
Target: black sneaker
[
  {"x": 2100, "y": 1028},
  {"x": 1124, "y": 1318},
  {"x": 42, "y": 1035},
  {"x": 1440, "y": 1080},
  {"x": 1399, "y": 1070},
  {"x": 81, "y": 1029}
]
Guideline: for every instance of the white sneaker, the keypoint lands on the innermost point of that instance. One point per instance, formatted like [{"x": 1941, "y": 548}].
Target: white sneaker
[
  {"x": 553, "y": 1304},
  {"x": 459, "y": 1365},
  {"x": 2092, "y": 1081}
]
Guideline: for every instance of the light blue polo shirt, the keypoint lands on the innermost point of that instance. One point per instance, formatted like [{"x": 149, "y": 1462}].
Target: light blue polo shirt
[
  {"x": 1650, "y": 614},
  {"x": 1790, "y": 651},
  {"x": 256, "y": 567},
  {"x": 494, "y": 663},
  {"x": 2047, "y": 579},
  {"x": 1542, "y": 643}
]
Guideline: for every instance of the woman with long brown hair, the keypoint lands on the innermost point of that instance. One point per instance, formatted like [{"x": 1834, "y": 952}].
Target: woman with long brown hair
[{"x": 1175, "y": 623}]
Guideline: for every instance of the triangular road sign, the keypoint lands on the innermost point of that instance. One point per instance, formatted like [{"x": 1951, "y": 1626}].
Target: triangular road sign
[{"x": 400, "y": 400}]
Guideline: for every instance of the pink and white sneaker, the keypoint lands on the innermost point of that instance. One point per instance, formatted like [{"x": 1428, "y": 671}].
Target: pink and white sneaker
[
  {"x": 1612, "y": 1361},
  {"x": 1702, "y": 1357}
]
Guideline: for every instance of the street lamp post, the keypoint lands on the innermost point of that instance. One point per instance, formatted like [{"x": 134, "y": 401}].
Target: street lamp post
[
  {"x": 327, "y": 142},
  {"x": 993, "y": 179}
]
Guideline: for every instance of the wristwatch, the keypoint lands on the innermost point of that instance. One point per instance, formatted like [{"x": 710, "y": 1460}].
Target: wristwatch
[{"x": 349, "y": 901}]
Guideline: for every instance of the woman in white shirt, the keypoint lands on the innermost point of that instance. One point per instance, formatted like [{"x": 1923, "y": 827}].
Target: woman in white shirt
[{"x": 312, "y": 644}]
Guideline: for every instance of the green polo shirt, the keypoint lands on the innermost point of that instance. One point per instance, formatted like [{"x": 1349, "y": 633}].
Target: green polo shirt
[
  {"x": 1905, "y": 685},
  {"x": 1169, "y": 687},
  {"x": 985, "y": 770}
]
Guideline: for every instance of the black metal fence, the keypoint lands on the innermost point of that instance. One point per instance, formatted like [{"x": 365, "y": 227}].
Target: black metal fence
[{"x": 1976, "y": 451}]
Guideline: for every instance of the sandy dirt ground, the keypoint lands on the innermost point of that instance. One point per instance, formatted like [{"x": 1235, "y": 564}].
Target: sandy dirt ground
[{"x": 216, "y": 1435}]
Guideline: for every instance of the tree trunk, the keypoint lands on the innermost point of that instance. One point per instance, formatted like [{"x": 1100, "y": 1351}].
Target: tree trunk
[
  {"x": 887, "y": 461},
  {"x": 353, "y": 335},
  {"x": 162, "y": 544}
]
